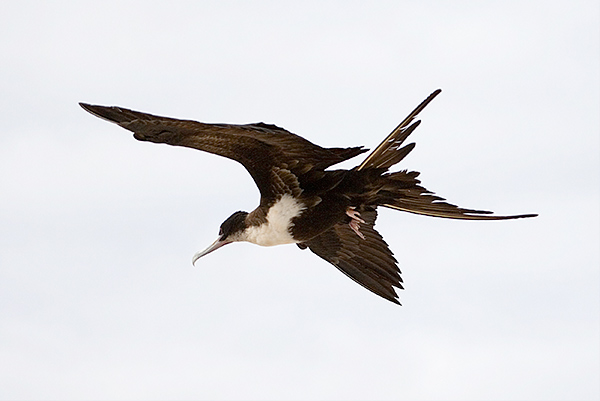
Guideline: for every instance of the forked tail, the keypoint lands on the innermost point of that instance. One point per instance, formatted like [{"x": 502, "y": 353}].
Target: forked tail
[
  {"x": 402, "y": 190},
  {"x": 389, "y": 151}
]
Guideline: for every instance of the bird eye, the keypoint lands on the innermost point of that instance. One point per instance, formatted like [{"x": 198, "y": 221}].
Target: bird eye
[{"x": 220, "y": 231}]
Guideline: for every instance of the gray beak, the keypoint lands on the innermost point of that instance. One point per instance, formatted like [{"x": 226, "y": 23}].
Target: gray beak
[{"x": 213, "y": 247}]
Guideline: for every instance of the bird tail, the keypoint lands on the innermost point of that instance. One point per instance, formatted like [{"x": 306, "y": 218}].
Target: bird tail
[
  {"x": 402, "y": 190},
  {"x": 389, "y": 151}
]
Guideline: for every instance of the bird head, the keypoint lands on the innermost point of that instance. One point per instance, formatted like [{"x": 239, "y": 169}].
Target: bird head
[{"x": 231, "y": 230}]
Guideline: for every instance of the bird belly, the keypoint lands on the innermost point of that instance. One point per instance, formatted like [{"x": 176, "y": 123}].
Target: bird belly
[{"x": 276, "y": 230}]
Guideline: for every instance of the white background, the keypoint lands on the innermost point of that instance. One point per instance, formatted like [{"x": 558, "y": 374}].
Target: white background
[{"x": 98, "y": 298}]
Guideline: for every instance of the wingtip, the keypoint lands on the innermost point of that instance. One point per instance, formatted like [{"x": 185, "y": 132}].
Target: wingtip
[
  {"x": 89, "y": 108},
  {"x": 111, "y": 114}
]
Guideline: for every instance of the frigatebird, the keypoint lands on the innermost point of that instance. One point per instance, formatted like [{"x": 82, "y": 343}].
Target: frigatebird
[{"x": 330, "y": 212}]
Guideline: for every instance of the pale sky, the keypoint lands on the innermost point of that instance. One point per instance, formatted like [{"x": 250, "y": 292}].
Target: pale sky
[{"x": 98, "y": 297}]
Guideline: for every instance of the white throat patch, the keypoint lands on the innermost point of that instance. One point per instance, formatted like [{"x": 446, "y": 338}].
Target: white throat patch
[{"x": 276, "y": 231}]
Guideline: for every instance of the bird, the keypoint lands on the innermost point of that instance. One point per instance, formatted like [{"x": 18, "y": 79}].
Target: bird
[{"x": 303, "y": 201}]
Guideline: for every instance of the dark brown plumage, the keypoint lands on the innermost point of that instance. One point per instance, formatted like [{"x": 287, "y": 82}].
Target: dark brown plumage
[
  {"x": 332, "y": 212},
  {"x": 258, "y": 147},
  {"x": 367, "y": 261}
]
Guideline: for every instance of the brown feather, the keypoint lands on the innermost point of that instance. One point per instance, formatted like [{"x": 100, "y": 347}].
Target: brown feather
[
  {"x": 283, "y": 163},
  {"x": 393, "y": 141},
  {"x": 258, "y": 147},
  {"x": 402, "y": 188},
  {"x": 367, "y": 261}
]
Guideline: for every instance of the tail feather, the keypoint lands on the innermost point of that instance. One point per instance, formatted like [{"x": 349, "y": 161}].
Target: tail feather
[
  {"x": 405, "y": 193},
  {"x": 392, "y": 158},
  {"x": 401, "y": 190},
  {"x": 449, "y": 211},
  {"x": 389, "y": 152}
]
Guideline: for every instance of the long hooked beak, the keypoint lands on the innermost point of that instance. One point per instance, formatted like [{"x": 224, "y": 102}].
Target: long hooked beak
[{"x": 213, "y": 247}]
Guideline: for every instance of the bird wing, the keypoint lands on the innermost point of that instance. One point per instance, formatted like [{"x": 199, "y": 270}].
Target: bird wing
[
  {"x": 367, "y": 261},
  {"x": 259, "y": 147}
]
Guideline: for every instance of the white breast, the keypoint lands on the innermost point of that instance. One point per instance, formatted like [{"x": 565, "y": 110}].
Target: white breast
[{"x": 276, "y": 231}]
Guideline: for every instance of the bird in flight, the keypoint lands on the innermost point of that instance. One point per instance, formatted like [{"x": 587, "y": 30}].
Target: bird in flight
[{"x": 302, "y": 202}]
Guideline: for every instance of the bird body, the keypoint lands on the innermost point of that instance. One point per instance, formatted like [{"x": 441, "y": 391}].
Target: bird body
[
  {"x": 331, "y": 212},
  {"x": 276, "y": 229}
]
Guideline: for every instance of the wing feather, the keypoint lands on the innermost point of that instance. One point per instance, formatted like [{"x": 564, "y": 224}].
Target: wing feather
[
  {"x": 258, "y": 147},
  {"x": 367, "y": 261}
]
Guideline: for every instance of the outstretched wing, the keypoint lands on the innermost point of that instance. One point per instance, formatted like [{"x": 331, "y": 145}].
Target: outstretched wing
[
  {"x": 367, "y": 261},
  {"x": 258, "y": 147}
]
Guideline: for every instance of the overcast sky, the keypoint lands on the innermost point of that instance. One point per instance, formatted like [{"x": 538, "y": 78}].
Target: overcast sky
[{"x": 98, "y": 297}]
